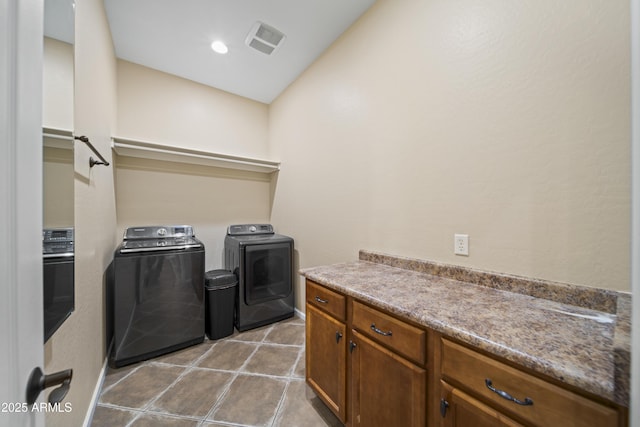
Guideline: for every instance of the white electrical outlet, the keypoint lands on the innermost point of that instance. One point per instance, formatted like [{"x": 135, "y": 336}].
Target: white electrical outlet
[{"x": 461, "y": 244}]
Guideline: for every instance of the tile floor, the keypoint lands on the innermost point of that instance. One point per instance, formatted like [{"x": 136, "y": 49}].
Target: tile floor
[{"x": 253, "y": 378}]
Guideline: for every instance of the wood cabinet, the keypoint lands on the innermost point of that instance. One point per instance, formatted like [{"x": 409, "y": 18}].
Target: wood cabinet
[
  {"x": 386, "y": 389},
  {"x": 458, "y": 409},
  {"x": 388, "y": 382},
  {"x": 380, "y": 362},
  {"x": 373, "y": 369},
  {"x": 327, "y": 300},
  {"x": 326, "y": 338},
  {"x": 512, "y": 393},
  {"x": 402, "y": 338}
]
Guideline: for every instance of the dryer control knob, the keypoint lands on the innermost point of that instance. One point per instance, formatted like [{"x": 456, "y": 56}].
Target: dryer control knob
[
  {"x": 162, "y": 231},
  {"x": 252, "y": 229}
]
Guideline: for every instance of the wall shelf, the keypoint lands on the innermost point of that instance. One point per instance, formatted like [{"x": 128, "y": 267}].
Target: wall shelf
[
  {"x": 57, "y": 138},
  {"x": 147, "y": 150}
]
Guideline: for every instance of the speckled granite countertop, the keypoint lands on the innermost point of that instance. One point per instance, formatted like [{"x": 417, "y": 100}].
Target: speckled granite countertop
[{"x": 578, "y": 335}]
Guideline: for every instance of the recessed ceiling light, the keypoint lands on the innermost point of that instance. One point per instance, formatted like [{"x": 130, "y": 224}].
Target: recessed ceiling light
[{"x": 219, "y": 47}]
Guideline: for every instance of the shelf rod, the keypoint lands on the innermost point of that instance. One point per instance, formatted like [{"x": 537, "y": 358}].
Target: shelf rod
[{"x": 92, "y": 161}]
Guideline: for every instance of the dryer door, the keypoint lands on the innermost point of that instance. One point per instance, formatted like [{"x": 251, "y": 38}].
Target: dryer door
[{"x": 267, "y": 272}]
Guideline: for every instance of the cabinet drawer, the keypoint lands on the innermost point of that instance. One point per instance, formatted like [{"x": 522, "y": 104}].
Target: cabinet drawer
[
  {"x": 401, "y": 337},
  {"x": 464, "y": 410},
  {"x": 541, "y": 403},
  {"x": 326, "y": 299}
]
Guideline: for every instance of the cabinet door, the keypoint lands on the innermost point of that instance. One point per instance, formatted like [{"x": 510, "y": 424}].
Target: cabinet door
[
  {"x": 386, "y": 389},
  {"x": 461, "y": 410},
  {"x": 326, "y": 359}
]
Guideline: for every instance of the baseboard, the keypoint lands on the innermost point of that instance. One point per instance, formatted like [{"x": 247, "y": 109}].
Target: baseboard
[
  {"x": 96, "y": 392},
  {"x": 300, "y": 314}
]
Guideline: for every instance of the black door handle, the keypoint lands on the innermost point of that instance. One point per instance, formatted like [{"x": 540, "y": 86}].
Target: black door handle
[
  {"x": 39, "y": 381},
  {"x": 443, "y": 407}
]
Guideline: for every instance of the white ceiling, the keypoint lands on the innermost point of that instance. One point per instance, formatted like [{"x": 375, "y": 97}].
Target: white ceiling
[
  {"x": 58, "y": 20},
  {"x": 175, "y": 37}
]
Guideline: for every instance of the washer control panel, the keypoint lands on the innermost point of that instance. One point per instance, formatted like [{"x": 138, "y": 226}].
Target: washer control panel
[
  {"x": 57, "y": 235},
  {"x": 248, "y": 229},
  {"x": 158, "y": 232}
]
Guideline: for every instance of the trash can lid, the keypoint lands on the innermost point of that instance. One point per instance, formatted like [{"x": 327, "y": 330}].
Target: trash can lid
[{"x": 220, "y": 279}]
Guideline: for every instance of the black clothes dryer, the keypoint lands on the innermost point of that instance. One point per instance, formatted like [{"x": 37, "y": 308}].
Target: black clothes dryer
[
  {"x": 263, "y": 263},
  {"x": 158, "y": 293}
]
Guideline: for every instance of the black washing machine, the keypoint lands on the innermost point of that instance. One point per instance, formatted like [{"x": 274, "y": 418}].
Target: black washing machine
[
  {"x": 158, "y": 293},
  {"x": 58, "y": 278},
  {"x": 263, "y": 263}
]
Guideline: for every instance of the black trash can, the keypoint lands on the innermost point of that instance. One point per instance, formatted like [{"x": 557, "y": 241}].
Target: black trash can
[{"x": 220, "y": 302}]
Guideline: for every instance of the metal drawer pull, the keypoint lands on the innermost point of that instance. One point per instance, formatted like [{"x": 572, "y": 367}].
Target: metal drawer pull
[
  {"x": 505, "y": 395},
  {"x": 322, "y": 301},
  {"x": 338, "y": 336},
  {"x": 378, "y": 331}
]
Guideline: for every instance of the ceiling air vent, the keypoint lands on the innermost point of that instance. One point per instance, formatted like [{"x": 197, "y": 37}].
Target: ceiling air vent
[{"x": 264, "y": 38}]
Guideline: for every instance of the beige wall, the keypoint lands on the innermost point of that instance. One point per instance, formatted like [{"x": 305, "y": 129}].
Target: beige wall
[
  {"x": 57, "y": 187},
  {"x": 80, "y": 342},
  {"x": 508, "y": 121},
  {"x": 210, "y": 199},
  {"x": 57, "y": 85},
  {"x": 190, "y": 115},
  {"x": 157, "y": 107}
]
